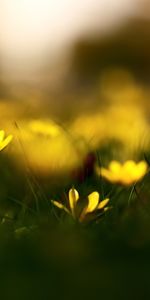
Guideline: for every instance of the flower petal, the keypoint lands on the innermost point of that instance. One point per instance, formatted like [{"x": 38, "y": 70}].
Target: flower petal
[
  {"x": 133, "y": 172},
  {"x": 115, "y": 166},
  {"x": 110, "y": 176},
  {"x": 142, "y": 168},
  {"x": 103, "y": 203},
  {"x": 5, "y": 142},
  {"x": 129, "y": 165},
  {"x": 73, "y": 198},
  {"x": 93, "y": 200},
  {"x": 2, "y": 134},
  {"x": 59, "y": 205}
]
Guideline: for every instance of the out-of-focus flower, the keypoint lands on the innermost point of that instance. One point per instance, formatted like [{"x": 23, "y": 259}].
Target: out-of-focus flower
[
  {"x": 86, "y": 212},
  {"x": 127, "y": 173},
  {"x": 49, "y": 149},
  {"x": 4, "y": 141},
  {"x": 130, "y": 126}
]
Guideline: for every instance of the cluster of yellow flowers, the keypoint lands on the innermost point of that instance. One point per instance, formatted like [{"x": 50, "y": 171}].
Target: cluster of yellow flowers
[
  {"x": 126, "y": 174},
  {"x": 92, "y": 206}
]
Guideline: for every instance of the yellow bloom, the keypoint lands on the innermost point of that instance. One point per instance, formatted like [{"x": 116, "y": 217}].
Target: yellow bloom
[
  {"x": 4, "y": 141},
  {"x": 93, "y": 205},
  {"x": 127, "y": 173},
  {"x": 49, "y": 149}
]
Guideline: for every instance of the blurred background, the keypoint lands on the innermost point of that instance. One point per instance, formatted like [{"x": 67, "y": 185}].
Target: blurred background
[
  {"x": 74, "y": 86},
  {"x": 79, "y": 66},
  {"x": 50, "y": 47}
]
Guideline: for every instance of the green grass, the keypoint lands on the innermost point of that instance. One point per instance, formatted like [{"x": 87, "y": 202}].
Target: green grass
[{"x": 45, "y": 254}]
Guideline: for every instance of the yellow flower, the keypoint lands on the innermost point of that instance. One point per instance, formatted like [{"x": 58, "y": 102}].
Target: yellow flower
[
  {"x": 127, "y": 173},
  {"x": 49, "y": 148},
  {"x": 4, "y": 141},
  {"x": 93, "y": 205}
]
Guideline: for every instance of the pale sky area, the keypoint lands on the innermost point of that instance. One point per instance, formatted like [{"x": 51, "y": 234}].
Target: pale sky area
[{"x": 29, "y": 27}]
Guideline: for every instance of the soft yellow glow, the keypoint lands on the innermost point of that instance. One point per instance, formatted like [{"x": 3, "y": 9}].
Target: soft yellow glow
[
  {"x": 123, "y": 119},
  {"x": 48, "y": 148},
  {"x": 127, "y": 173},
  {"x": 46, "y": 128}
]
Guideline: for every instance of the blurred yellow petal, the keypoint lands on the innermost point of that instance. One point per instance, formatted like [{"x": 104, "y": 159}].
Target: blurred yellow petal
[
  {"x": 105, "y": 173},
  {"x": 60, "y": 205},
  {"x": 126, "y": 174},
  {"x": 142, "y": 168},
  {"x": 73, "y": 198},
  {"x": 5, "y": 142},
  {"x": 107, "y": 208},
  {"x": 2, "y": 134},
  {"x": 110, "y": 176},
  {"x": 103, "y": 203},
  {"x": 115, "y": 166},
  {"x": 93, "y": 200},
  {"x": 133, "y": 172},
  {"x": 129, "y": 166}
]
